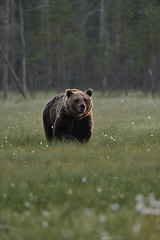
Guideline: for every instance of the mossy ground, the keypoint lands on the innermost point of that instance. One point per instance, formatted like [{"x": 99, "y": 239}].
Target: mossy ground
[{"x": 66, "y": 190}]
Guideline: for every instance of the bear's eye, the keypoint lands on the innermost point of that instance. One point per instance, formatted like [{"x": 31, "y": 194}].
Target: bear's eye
[
  {"x": 76, "y": 101},
  {"x": 85, "y": 100}
]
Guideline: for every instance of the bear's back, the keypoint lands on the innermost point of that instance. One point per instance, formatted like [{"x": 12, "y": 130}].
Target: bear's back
[{"x": 56, "y": 103}]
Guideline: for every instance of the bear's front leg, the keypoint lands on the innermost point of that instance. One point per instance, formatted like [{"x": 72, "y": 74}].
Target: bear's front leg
[
  {"x": 63, "y": 127},
  {"x": 82, "y": 130}
]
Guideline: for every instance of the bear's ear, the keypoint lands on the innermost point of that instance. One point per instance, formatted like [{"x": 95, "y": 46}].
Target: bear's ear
[
  {"x": 90, "y": 92},
  {"x": 69, "y": 92}
]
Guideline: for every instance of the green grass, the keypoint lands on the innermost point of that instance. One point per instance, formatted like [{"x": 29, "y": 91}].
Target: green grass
[{"x": 80, "y": 191}]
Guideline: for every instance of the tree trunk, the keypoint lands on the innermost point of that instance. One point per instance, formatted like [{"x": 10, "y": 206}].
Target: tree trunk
[
  {"x": 23, "y": 46},
  {"x": 13, "y": 40},
  {"x": 148, "y": 59},
  {"x": 49, "y": 62},
  {"x": 12, "y": 72},
  {"x": 46, "y": 62},
  {"x": 116, "y": 68},
  {"x": 101, "y": 48},
  {"x": 101, "y": 26},
  {"x": 6, "y": 36},
  {"x": 59, "y": 77}
]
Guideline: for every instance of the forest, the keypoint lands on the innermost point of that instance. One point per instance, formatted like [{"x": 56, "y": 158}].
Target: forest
[{"x": 56, "y": 44}]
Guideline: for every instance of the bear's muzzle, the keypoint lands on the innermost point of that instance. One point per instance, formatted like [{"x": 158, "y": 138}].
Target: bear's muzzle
[{"x": 82, "y": 108}]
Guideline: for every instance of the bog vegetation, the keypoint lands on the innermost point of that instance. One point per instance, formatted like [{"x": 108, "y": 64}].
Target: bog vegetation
[{"x": 105, "y": 189}]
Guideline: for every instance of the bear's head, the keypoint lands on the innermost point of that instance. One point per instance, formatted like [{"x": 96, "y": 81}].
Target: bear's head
[{"x": 78, "y": 103}]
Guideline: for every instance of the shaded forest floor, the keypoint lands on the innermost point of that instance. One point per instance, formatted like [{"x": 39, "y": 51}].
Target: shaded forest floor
[{"x": 105, "y": 189}]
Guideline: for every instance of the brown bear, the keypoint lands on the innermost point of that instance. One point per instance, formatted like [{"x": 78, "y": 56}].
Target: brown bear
[{"x": 69, "y": 116}]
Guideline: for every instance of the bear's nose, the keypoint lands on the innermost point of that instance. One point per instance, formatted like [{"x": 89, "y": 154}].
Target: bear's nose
[{"x": 82, "y": 107}]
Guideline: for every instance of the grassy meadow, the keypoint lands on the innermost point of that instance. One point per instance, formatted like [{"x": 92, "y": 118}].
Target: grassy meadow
[{"x": 107, "y": 189}]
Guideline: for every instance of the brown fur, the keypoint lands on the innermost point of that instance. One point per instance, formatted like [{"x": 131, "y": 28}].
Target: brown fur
[{"x": 69, "y": 116}]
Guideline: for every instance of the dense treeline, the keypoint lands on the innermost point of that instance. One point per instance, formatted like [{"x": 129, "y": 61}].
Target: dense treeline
[{"x": 104, "y": 44}]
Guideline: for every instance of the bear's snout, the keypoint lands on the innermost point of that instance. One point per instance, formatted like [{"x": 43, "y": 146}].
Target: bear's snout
[{"x": 82, "y": 107}]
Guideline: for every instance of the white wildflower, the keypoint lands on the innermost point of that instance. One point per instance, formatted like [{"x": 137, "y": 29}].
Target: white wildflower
[
  {"x": 139, "y": 207},
  {"x": 147, "y": 205},
  {"x": 99, "y": 190},
  {"x": 27, "y": 204},
  {"x": 137, "y": 227},
  {"x": 31, "y": 194},
  {"x": 45, "y": 224},
  {"x": 114, "y": 206},
  {"x": 102, "y": 218},
  {"x": 84, "y": 179},
  {"x": 139, "y": 197},
  {"x": 88, "y": 212},
  {"x": 5, "y": 195},
  {"x": 105, "y": 235},
  {"x": 70, "y": 191},
  {"x": 66, "y": 233},
  {"x": 46, "y": 213}
]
